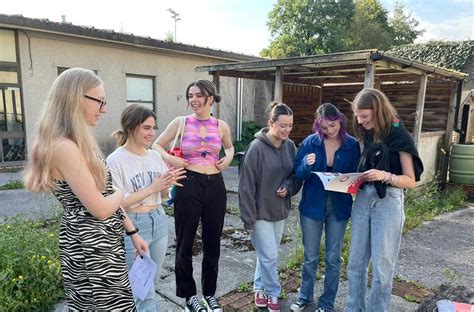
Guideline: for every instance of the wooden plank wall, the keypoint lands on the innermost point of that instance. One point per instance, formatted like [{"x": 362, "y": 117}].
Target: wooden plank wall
[{"x": 304, "y": 101}]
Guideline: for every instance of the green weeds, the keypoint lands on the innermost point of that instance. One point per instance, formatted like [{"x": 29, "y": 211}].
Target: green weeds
[
  {"x": 13, "y": 185},
  {"x": 30, "y": 278},
  {"x": 426, "y": 203}
]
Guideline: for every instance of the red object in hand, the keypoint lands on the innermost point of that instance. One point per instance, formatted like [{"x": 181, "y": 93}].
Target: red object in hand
[{"x": 176, "y": 151}]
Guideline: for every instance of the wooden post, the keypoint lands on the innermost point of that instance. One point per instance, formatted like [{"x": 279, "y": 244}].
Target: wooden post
[
  {"x": 279, "y": 72},
  {"x": 320, "y": 98},
  {"x": 420, "y": 106},
  {"x": 215, "y": 108},
  {"x": 369, "y": 79},
  {"x": 446, "y": 145}
]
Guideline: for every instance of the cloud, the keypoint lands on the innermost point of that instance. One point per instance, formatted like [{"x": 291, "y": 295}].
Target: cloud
[{"x": 452, "y": 29}]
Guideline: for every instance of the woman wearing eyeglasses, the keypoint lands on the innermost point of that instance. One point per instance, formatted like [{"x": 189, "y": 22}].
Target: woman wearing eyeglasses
[
  {"x": 66, "y": 160},
  {"x": 203, "y": 195}
]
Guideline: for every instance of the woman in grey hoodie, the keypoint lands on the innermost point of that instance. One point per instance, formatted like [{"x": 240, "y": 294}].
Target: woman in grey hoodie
[{"x": 266, "y": 184}]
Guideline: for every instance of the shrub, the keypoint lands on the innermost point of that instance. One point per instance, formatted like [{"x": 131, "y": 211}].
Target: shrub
[
  {"x": 30, "y": 278},
  {"x": 249, "y": 128},
  {"x": 13, "y": 185}
]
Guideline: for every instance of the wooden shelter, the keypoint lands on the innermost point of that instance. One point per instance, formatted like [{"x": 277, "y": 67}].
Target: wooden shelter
[{"x": 427, "y": 98}]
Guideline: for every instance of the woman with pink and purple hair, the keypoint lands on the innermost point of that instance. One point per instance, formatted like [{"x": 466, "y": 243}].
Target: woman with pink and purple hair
[{"x": 329, "y": 149}]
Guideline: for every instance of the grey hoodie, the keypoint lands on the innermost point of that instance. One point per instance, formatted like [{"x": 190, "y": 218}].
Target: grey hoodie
[{"x": 266, "y": 168}]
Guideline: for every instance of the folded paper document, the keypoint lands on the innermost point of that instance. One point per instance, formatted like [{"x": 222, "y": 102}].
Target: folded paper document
[{"x": 341, "y": 182}]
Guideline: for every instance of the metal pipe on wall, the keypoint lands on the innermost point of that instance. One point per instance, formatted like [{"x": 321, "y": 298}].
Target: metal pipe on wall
[{"x": 239, "y": 109}]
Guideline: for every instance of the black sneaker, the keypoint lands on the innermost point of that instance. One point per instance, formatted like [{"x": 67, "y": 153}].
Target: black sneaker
[
  {"x": 298, "y": 306},
  {"x": 193, "y": 305},
  {"x": 210, "y": 302}
]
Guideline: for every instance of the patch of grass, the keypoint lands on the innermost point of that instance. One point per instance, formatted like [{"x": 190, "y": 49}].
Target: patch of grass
[
  {"x": 451, "y": 275},
  {"x": 30, "y": 279},
  {"x": 10, "y": 169},
  {"x": 244, "y": 287},
  {"x": 13, "y": 185},
  {"x": 295, "y": 257},
  {"x": 233, "y": 210},
  {"x": 411, "y": 298},
  {"x": 426, "y": 203}
]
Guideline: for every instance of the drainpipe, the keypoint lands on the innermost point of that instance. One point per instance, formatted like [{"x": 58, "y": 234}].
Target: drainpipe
[
  {"x": 239, "y": 113},
  {"x": 458, "y": 106}
]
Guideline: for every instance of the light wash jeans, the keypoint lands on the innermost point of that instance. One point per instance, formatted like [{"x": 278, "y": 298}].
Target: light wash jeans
[
  {"x": 266, "y": 237},
  {"x": 153, "y": 228},
  {"x": 376, "y": 235},
  {"x": 334, "y": 237}
]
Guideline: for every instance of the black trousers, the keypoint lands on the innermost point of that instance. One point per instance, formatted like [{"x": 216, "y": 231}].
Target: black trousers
[{"x": 202, "y": 197}]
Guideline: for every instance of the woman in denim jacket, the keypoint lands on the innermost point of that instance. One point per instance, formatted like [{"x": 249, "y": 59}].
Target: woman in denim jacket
[{"x": 329, "y": 149}]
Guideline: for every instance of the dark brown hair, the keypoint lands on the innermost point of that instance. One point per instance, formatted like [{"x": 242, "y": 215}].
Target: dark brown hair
[
  {"x": 276, "y": 109},
  {"x": 132, "y": 117},
  {"x": 206, "y": 87}
]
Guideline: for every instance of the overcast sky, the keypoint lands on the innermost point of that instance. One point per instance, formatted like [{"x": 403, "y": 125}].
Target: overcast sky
[{"x": 231, "y": 25}]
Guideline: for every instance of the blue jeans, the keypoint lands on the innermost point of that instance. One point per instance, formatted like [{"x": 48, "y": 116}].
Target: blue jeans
[
  {"x": 377, "y": 225},
  {"x": 266, "y": 237},
  {"x": 153, "y": 228},
  {"x": 334, "y": 237}
]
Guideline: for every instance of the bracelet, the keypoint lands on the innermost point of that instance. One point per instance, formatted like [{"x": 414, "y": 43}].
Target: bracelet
[
  {"x": 394, "y": 181},
  {"x": 132, "y": 232}
]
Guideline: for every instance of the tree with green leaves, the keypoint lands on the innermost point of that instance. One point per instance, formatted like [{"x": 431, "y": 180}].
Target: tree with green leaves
[
  {"x": 404, "y": 26},
  {"x": 306, "y": 27},
  {"x": 369, "y": 28}
]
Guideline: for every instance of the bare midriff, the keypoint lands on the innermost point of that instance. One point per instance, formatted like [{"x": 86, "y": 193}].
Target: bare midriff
[
  {"x": 203, "y": 169},
  {"x": 141, "y": 209}
]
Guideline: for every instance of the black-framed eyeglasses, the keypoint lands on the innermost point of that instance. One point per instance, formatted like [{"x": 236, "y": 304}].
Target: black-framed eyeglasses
[{"x": 101, "y": 102}]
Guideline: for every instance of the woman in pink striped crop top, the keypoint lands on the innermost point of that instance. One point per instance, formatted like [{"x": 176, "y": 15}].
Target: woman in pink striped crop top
[
  {"x": 203, "y": 195},
  {"x": 201, "y": 149}
]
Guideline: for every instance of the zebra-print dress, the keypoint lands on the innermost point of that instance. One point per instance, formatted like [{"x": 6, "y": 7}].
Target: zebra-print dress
[{"x": 92, "y": 256}]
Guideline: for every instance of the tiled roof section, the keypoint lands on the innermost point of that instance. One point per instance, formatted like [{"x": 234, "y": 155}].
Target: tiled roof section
[{"x": 21, "y": 22}]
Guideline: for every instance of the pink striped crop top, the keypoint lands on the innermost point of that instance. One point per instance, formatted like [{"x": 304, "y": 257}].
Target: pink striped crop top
[{"x": 201, "y": 141}]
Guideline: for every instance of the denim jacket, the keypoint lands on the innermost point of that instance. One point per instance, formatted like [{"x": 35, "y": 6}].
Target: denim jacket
[{"x": 313, "y": 200}]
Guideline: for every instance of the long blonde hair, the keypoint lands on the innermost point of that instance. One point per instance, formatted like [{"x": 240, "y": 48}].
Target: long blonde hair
[
  {"x": 383, "y": 113},
  {"x": 63, "y": 116}
]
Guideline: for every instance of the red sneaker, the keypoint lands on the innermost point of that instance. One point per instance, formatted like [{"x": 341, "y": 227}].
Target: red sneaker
[
  {"x": 260, "y": 299},
  {"x": 273, "y": 305}
]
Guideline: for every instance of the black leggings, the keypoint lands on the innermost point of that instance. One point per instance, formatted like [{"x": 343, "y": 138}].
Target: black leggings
[{"x": 201, "y": 197}]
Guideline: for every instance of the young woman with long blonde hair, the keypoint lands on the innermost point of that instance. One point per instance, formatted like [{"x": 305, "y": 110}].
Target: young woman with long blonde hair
[{"x": 66, "y": 160}]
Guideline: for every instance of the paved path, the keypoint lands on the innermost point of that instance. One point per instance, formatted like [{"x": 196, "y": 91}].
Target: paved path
[{"x": 439, "y": 251}]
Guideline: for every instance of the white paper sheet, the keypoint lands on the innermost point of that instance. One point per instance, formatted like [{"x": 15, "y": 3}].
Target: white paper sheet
[{"x": 142, "y": 275}]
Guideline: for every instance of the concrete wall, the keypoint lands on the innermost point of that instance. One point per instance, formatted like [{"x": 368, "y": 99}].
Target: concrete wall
[
  {"x": 429, "y": 148},
  {"x": 172, "y": 72}
]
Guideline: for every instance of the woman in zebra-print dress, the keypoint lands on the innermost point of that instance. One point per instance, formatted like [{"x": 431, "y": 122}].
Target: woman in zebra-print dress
[{"x": 66, "y": 159}]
